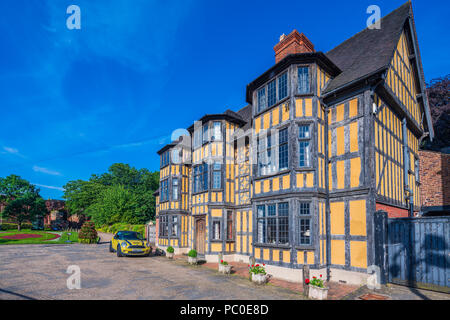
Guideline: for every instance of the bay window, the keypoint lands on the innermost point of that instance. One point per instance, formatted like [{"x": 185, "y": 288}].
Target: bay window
[{"x": 201, "y": 178}]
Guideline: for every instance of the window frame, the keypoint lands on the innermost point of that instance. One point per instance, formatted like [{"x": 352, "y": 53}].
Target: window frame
[
  {"x": 164, "y": 194},
  {"x": 163, "y": 226},
  {"x": 283, "y": 144},
  {"x": 308, "y": 217},
  {"x": 175, "y": 189},
  {"x": 263, "y": 239},
  {"x": 262, "y": 93},
  {"x": 301, "y": 140},
  {"x": 309, "y": 89},
  {"x": 214, "y": 171},
  {"x": 213, "y": 231},
  {"x": 213, "y": 133},
  {"x": 230, "y": 222},
  {"x": 202, "y": 174},
  {"x": 173, "y": 224}
]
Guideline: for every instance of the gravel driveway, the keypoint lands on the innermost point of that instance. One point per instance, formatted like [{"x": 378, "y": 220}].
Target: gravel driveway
[{"x": 39, "y": 272}]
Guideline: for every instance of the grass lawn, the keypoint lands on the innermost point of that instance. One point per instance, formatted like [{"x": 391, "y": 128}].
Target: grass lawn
[{"x": 40, "y": 237}]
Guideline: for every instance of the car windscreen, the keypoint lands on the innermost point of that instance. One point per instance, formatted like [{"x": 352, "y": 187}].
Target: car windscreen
[{"x": 129, "y": 236}]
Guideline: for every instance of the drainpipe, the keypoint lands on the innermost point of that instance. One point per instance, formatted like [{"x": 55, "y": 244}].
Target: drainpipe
[{"x": 324, "y": 107}]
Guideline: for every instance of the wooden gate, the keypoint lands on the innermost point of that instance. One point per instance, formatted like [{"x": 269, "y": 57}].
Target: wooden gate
[
  {"x": 417, "y": 251},
  {"x": 200, "y": 226}
]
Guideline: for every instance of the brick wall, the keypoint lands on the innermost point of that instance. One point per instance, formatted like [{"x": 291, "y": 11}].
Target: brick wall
[
  {"x": 393, "y": 212},
  {"x": 434, "y": 179}
]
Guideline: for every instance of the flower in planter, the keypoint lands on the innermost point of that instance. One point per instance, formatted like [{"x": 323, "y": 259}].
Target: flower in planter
[
  {"x": 170, "y": 250},
  {"x": 224, "y": 263},
  {"x": 317, "y": 282},
  {"x": 257, "y": 269},
  {"x": 307, "y": 281}
]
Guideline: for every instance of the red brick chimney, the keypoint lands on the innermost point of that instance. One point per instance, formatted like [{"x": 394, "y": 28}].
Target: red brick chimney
[{"x": 293, "y": 43}]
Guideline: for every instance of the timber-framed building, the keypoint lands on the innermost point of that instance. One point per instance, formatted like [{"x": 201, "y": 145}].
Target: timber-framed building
[{"x": 295, "y": 177}]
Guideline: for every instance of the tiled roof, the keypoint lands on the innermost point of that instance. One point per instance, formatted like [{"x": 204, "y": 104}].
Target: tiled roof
[{"x": 369, "y": 51}]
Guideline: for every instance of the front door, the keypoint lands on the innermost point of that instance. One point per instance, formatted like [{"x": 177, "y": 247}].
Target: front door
[{"x": 200, "y": 226}]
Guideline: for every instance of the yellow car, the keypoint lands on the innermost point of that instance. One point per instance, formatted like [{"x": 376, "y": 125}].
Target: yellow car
[{"x": 129, "y": 243}]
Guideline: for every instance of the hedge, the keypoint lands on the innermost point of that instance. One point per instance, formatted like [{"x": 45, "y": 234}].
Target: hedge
[
  {"x": 123, "y": 227},
  {"x": 13, "y": 226}
]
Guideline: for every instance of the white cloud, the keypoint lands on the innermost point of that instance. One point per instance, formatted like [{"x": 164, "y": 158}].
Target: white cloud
[
  {"x": 46, "y": 171},
  {"x": 12, "y": 151},
  {"x": 48, "y": 187}
]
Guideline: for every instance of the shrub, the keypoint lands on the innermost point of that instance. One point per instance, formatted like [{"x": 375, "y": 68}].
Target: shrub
[
  {"x": 87, "y": 234},
  {"x": 192, "y": 254},
  {"x": 123, "y": 227},
  {"x": 170, "y": 250},
  {"x": 257, "y": 269},
  {"x": 13, "y": 226}
]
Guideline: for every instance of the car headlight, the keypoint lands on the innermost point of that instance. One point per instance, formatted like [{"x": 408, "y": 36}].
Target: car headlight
[{"x": 124, "y": 244}]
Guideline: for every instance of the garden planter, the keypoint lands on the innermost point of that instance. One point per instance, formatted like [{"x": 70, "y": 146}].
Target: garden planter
[
  {"x": 318, "y": 293},
  {"x": 225, "y": 269},
  {"x": 192, "y": 260},
  {"x": 169, "y": 255},
  {"x": 259, "y": 278}
]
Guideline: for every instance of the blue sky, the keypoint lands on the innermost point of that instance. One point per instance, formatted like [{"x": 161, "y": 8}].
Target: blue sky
[{"x": 75, "y": 101}]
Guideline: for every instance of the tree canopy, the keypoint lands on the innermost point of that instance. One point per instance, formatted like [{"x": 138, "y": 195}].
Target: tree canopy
[
  {"x": 438, "y": 97},
  {"x": 123, "y": 194},
  {"x": 22, "y": 199}
]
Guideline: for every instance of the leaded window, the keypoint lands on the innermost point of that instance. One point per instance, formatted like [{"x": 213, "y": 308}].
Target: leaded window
[
  {"x": 304, "y": 224},
  {"x": 261, "y": 99},
  {"x": 282, "y": 86},
  {"x": 272, "y": 93},
  {"x": 163, "y": 226},
  {"x": 216, "y": 230},
  {"x": 164, "y": 190},
  {"x": 205, "y": 133},
  {"x": 175, "y": 189},
  {"x": 217, "y": 176},
  {"x": 165, "y": 159},
  {"x": 304, "y": 151},
  {"x": 217, "y": 131},
  {"x": 283, "y": 153},
  {"x": 266, "y": 155},
  {"x": 273, "y": 223},
  {"x": 200, "y": 178},
  {"x": 303, "y": 80},
  {"x": 230, "y": 231},
  {"x": 174, "y": 227}
]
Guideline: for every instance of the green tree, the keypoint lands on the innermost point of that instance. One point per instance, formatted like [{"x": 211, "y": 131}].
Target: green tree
[
  {"x": 13, "y": 186},
  {"x": 28, "y": 207},
  {"x": 122, "y": 194}
]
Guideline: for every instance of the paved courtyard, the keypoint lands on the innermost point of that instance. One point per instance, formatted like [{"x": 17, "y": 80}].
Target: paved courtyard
[{"x": 39, "y": 272}]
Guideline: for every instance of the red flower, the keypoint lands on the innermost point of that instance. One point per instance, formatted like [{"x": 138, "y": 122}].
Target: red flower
[
  {"x": 321, "y": 276},
  {"x": 314, "y": 277},
  {"x": 264, "y": 264},
  {"x": 221, "y": 261},
  {"x": 306, "y": 281},
  {"x": 249, "y": 265},
  {"x": 257, "y": 265},
  {"x": 252, "y": 265}
]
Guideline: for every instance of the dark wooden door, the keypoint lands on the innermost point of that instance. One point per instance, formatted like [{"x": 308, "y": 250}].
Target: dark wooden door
[{"x": 200, "y": 236}]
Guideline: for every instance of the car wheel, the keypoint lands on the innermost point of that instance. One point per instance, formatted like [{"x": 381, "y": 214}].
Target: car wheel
[
  {"x": 110, "y": 247},
  {"x": 119, "y": 251}
]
